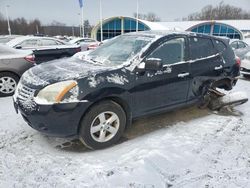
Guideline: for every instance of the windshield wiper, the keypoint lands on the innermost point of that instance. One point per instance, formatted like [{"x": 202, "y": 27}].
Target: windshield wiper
[{"x": 96, "y": 62}]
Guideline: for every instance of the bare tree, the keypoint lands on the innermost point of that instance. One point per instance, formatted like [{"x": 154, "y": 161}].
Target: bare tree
[
  {"x": 21, "y": 26},
  {"x": 149, "y": 16},
  {"x": 219, "y": 12},
  {"x": 87, "y": 28}
]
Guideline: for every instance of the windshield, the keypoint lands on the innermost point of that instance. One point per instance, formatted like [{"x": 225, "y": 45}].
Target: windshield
[{"x": 120, "y": 49}]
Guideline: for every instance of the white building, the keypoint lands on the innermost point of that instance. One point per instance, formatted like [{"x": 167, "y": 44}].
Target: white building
[{"x": 234, "y": 29}]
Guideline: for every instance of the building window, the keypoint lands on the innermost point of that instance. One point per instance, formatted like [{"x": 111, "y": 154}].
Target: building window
[
  {"x": 218, "y": 30},
  {"x": 114, "y": 27}
]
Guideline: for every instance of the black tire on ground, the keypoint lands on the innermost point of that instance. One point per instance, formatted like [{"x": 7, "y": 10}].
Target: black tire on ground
[
  {"x": 217, "y": 105},
  {"x": 93, "y": 119},
  {"x": 14, "y": 79},
  {"x": 246, "y": 75}
]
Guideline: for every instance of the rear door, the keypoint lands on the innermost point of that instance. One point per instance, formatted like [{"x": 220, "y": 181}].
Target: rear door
[
  {"x": 205, "y": 61},
  {"x": 204, "y": 58}
]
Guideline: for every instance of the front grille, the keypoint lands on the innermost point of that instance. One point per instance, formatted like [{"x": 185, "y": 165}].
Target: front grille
[{"x": 24, "y": 93}]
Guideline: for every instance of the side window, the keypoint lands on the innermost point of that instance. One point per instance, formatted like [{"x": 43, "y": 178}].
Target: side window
[
  {"x": 241, "y": 44},
  {"x": 59, "y": 42},
  {"x": 234, "y": 45},
  {"x": 220, "y": 46},
  {"x": 170, "y": 52},
  {"x": 89, "y": 40},
  {"x": 201, "y": 48},
  {"x": 29, "y": 43},
  {"x": 48, "y": 42}
]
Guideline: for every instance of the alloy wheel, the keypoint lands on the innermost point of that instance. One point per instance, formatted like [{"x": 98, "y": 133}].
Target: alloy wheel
[
  {"x": 105, "y": 126},
  {"x": 7, "y": 85}
]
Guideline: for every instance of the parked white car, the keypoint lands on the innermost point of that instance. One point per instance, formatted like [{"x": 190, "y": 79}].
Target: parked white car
[
  {"x": 85, "y": 43},
  {"x": 245, "y": 65},
  {"x": 240, "y": 47}
]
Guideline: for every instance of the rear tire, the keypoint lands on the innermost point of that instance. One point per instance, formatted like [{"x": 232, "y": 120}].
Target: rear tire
[
  {"x": 8, "y": 83},
  {"x": 103, "y": 125}
]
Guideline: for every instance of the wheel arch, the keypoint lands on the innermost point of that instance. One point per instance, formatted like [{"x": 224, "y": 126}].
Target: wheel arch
[
  {"x": 224, "y": 83},
  {"x": 125, "y": 106},
  {"x": 10, "y": 71}
]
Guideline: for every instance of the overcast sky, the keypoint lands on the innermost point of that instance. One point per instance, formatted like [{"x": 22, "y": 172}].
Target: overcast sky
[{"x": 66, "y": 11}]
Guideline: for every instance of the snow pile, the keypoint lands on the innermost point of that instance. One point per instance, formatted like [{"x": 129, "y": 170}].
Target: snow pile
[
  {"x": 117, "y": 79},
  {"x": 93, "y": 81},
  {"x": 232, "y": 97},
  {"x": 184, "y": 148}
]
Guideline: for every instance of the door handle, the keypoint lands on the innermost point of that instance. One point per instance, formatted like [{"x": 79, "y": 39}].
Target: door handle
[
  {"x": 218, "y": 68},
  {"x": 182, "y": 75}
]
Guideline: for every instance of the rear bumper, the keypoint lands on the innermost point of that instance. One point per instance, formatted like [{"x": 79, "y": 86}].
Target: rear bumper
[
  {"x": 61, "y": 120},
  {"x": 245, "y": 71}
]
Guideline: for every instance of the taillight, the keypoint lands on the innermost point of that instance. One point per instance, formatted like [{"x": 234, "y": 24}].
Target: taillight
[
  {"x": 93, "y": 45},
  {"x": 78, "y": 49},
  {"x": 30, "y": 58},
  {"x": 238, "y": 61}
]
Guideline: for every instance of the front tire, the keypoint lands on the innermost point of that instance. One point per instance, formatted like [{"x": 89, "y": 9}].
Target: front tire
[
  {"x": 103, "y": 125},
  {"x": 8, "y": 84}
]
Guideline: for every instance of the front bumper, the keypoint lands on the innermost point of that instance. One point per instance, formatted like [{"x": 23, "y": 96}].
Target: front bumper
[{"x": 61, "y": 120}]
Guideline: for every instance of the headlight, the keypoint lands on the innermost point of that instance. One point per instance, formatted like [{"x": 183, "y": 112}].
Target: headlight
[{"x": 66, "y": 91}]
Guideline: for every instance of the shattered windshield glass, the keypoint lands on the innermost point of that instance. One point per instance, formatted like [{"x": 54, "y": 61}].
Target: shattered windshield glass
[{"x": 120, "y": 49}]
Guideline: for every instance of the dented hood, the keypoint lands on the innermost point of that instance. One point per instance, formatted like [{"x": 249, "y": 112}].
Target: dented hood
[{"x": 60, "y": 70}]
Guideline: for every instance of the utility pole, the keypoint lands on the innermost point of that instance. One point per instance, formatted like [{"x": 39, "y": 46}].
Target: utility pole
[
  {"x": 73, "y": 31},
  {"x": 37, "y": 29},
  {"x": 8, "y": 20}
]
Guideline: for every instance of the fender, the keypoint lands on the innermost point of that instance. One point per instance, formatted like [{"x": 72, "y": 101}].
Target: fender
[{"x": 200, "y": 84}]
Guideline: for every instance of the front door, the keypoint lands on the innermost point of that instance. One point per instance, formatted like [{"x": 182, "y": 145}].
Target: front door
[{"x": 156, "y": 90}]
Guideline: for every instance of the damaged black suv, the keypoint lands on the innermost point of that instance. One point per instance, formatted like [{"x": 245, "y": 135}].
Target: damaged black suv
[{"x": 96, "y": 95}]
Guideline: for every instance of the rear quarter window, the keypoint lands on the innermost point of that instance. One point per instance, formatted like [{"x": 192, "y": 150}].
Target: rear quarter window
[
  {"x": 220, "y": 46},
  {"x": 201, "y": 48}
]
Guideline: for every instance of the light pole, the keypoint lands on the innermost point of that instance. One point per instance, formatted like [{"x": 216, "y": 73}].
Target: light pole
[
  {"x": 101, "y": 20},
  {"x": 80, "y": 24},
  {"x": 137, "y": 15},
  {"x": 7, "y": 16}
]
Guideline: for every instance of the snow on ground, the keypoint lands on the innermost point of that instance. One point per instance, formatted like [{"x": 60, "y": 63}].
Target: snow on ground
[{"x": 185, "y": 148}]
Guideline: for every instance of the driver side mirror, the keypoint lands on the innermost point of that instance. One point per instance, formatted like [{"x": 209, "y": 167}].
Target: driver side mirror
[
  {"x": 18, "y": 47},
  {"x": 153, "y": 64}
]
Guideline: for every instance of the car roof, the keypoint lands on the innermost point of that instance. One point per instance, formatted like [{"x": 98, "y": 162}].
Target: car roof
[
  {"x": 79, "y": 38},
  {"x": 23, "y": 38},
  {"x": 164, "y": 33}
]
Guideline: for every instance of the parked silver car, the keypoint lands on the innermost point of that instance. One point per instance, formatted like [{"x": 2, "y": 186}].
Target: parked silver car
[
  {"x": 34, "y": 42},
  {"x": 45, "y": 48},
  {"x": 13, "y": 63}
]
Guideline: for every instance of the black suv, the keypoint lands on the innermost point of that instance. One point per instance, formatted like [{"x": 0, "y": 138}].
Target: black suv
[{"x": 133, "y": 75}]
